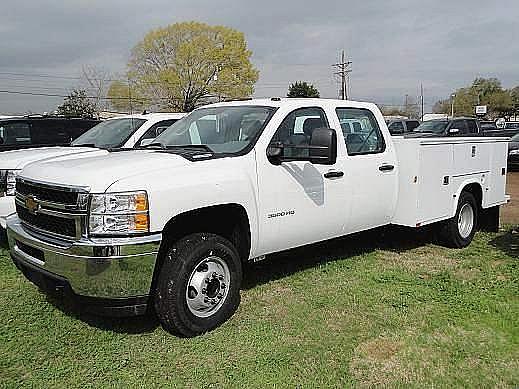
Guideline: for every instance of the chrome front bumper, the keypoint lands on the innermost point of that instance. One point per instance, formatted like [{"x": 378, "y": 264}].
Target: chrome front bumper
[{"x": 106, "y": 268}]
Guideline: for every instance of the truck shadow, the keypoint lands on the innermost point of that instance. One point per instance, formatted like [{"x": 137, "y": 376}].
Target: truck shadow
[
  {"x": 508, "y": 243},
  {"x": 275, "y": 266},
  {"x": 126, "y": 325},
  {"x": 286, "y": 263}
]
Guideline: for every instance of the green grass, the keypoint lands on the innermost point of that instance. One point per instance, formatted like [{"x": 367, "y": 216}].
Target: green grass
[{"x": 374, "y": 309}]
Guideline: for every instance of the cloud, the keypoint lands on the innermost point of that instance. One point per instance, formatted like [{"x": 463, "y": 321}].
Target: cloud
[{"x": 394, "y": 45}]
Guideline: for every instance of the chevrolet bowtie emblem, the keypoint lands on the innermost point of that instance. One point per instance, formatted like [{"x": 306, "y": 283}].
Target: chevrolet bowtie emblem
[{"x": 32, "y": 205}]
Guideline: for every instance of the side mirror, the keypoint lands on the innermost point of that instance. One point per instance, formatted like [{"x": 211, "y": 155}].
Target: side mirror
[
  {"x": 275, "y": 152},
  {"x": 323, "y": 146},
  {"x": 146, "y": 142},
  {"x": 454, "y": 131}
]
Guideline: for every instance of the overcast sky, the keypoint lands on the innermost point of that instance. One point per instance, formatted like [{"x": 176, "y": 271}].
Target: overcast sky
[{"x": 394, "y": 44}]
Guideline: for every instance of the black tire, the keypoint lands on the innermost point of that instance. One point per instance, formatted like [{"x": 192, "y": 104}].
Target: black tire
[
  {"x": 181, "y": 261},
  {"x": 450, "y": 234}
]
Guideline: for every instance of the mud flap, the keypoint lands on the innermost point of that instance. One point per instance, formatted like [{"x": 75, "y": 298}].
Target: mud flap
[{"x": 489, "y": 219}]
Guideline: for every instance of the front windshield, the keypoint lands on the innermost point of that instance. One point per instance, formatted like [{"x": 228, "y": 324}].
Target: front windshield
[
  {"x": 226, "y": 129},
  {"x": 434, "y": 126},
  {"x": 111, "y": 133}
]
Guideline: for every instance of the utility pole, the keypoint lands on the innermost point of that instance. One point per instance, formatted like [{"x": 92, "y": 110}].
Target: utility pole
[
  {"x": 343, "y": 70},
  {"x": 421, "y": 102}
]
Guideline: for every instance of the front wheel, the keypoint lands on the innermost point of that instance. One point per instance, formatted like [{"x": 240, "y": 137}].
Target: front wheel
[
  {"x": 459, "y": 231},
  {"x": 198, "y": 287}
]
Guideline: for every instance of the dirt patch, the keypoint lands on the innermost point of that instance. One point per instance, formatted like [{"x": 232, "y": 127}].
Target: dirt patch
[
  {"x": 424, "y": 260},
  {"x": 510, "y": 212},
  {"x": 467, "y": 274},
  {"x": 376, "y": 363}
]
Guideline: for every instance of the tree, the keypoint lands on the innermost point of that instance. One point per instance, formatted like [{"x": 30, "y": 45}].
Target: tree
[
  {"x": 302, "y": 89},
  {"x": 77, "y": 104},
  {"x": 97, "y": 80},
  {"x": 125, "y": 98},
  {"x": 483, "y": 91},
  {"x": 184, "y": 65}
]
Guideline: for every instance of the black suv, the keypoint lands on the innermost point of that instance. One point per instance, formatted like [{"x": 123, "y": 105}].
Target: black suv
[
  {"x": 402, "y": 126},
  {"x": 448, "y": 127},
  {"x": 24, "y": 132}
]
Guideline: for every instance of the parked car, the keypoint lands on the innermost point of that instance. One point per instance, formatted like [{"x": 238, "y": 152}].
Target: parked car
[
  {"x": 486, "y": 125},
  {"x": 171, "y": 225},
  {"x": 512, "y": 126},
  {"x": 448, "y": 127},
  {"x": 513, "y": 153},
  {"x": 399, "y": 127},
  {"x": 39, "y": 131},
  {"x": 120, "y": 132}
]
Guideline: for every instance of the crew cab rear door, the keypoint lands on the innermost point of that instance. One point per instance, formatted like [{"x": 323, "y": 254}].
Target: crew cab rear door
[{"x": 370, "y": 170}]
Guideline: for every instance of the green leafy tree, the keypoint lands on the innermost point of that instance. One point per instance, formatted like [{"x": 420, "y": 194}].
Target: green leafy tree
[
  {"x": 302, "y": 89},
  {"x": 483, "y": 91},
  {"x": 125, "y": 98},
  {"x": 77, "y": 104},
  {"x": 184, "y": 65}
]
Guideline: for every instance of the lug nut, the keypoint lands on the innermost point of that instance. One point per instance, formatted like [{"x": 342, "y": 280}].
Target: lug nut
[
  {"x": 222, "y": 285},
  {"x": 204, "y": 290},
  {"x": 215, "y": 275},
  {"x": 206, "y": 280},
  {"x": 220, "y": 277}
]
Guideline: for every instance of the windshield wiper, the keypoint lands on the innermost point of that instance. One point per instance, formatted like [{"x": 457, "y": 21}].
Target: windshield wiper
[
  {"x": 196, "y": 147},
  {"x": 84, "y": 145},
  {"x": 155, "y": 145}
]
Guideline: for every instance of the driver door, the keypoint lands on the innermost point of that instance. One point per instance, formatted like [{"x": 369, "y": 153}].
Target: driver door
[{"x": 300, "y": 202}]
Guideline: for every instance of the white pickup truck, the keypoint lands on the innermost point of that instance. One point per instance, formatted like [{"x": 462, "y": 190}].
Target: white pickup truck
[
  {"x": 120, "y": 132},
  {"x": 171, "y": 226}
]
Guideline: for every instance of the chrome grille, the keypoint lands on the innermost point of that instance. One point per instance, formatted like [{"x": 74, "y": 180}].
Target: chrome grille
[{"x": 54, "y": 210}]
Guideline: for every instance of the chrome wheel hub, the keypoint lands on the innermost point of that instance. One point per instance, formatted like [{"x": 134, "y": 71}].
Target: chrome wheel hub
[
  {"x": 466, "y": 221},
  {"x": 208, "y": 286}
]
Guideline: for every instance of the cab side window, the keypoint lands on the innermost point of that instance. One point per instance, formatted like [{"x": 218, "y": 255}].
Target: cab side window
[
  {"x": 396, "y": 128},
  {"x": 296, "y": 130},
  {"x": 367, "y": 138},
  {"x": 461, "y": 125},
  {"x": 156, "y": 130},
  {"x": 473, "y": 127}
]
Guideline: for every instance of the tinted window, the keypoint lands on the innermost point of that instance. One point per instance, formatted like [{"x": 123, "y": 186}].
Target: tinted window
[
  {"x": 412, "y": 124},
  {"x": 461, "y": 125},
  {"x": 77, "y": 127},
  {"x": 432, "y": 126},
  {"x": 369, "y": 138},
  {"x": 396, "y": 128},
  {"x": 111, "y": 133},
  {"x": 49, "y": 132},
  {"x": 296, "y": 130},
  {"x": 15, "y": 133},
  {"x": 472, "y": 126}
]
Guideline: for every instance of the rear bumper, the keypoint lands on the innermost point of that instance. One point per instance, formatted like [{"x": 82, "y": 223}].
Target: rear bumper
[{"x": 110, "y": 275}]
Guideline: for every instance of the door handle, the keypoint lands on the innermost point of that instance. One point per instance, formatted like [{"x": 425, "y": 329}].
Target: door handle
[
  {"x": 333, "y": 174},
  {"x": 386, "y": 168}
]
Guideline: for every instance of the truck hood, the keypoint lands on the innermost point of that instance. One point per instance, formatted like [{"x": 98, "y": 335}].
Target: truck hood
[
  {"x": 18, "y": 159},
  {"x": 99, "y": 172}
]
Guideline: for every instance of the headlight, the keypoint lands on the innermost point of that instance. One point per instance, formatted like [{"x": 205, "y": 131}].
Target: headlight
[
  {"x": 119, "y": 213},
  {"x": 513, "y": 152},
  {"x": 8, "y": 182}
]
